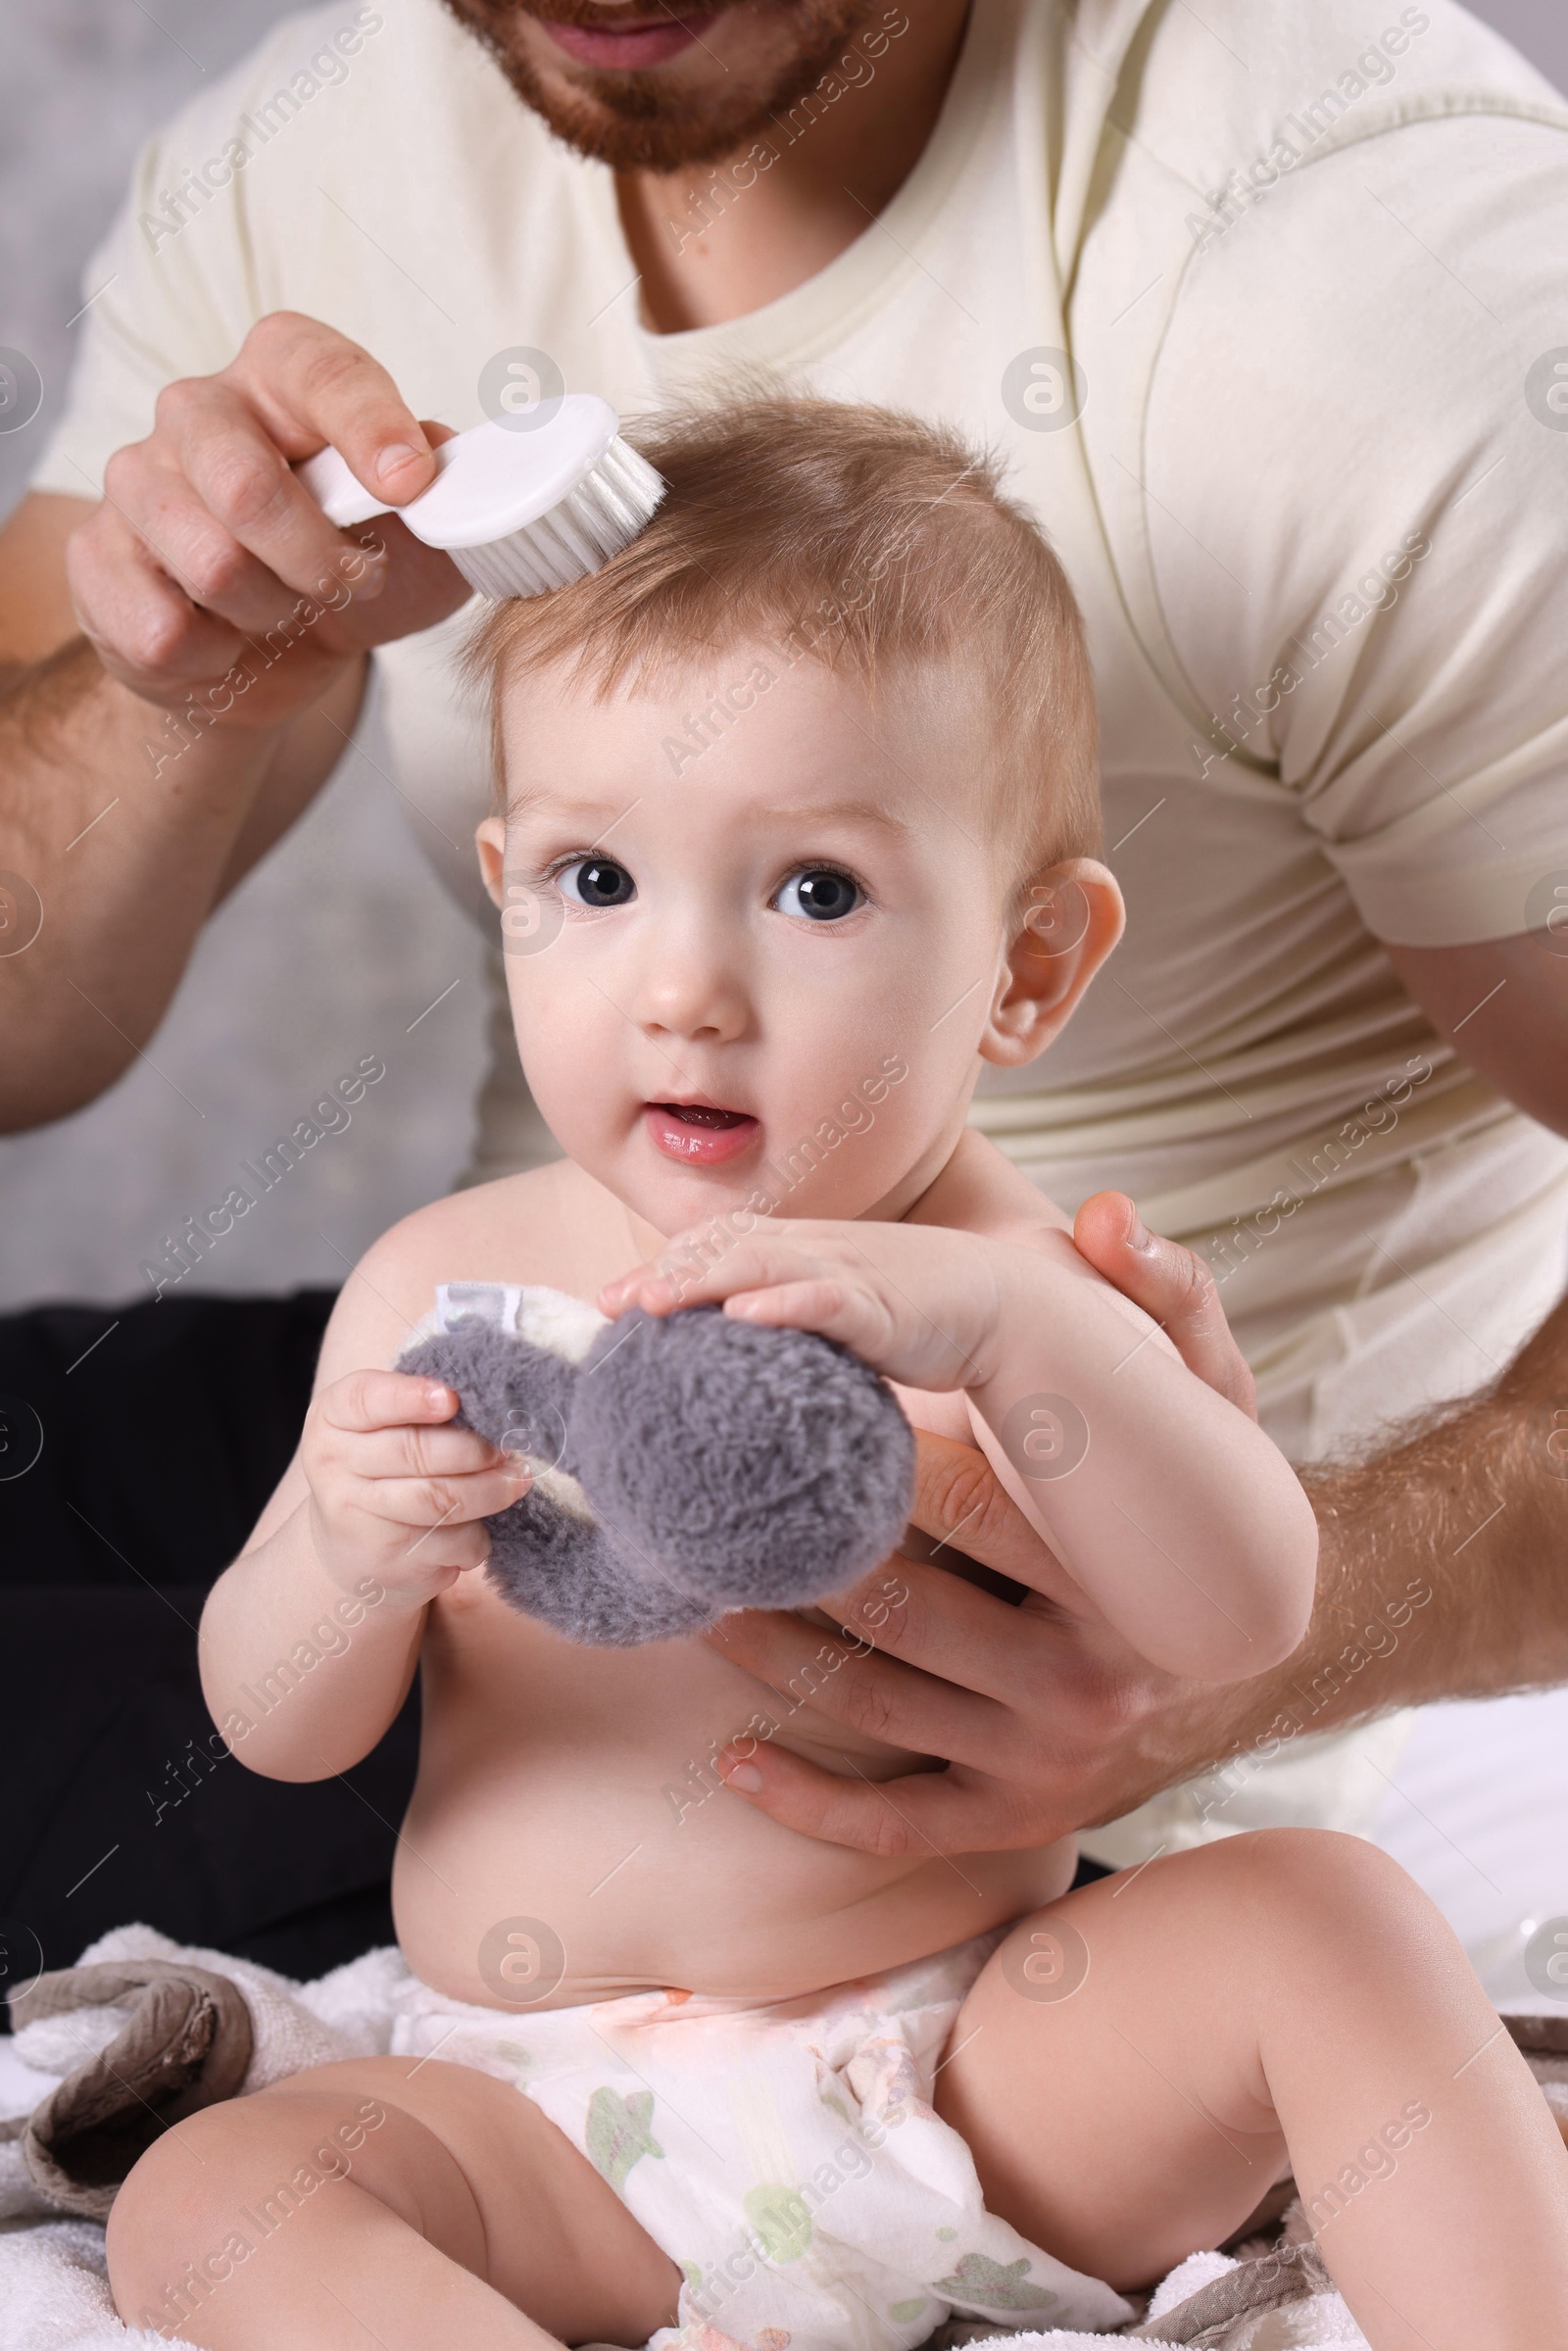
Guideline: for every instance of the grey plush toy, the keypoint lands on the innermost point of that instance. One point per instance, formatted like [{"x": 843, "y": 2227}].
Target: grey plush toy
[{"x": 683, "y": 1465}]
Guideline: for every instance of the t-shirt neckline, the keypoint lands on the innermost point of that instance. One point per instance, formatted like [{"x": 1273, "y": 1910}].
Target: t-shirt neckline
[{"x": 814, "y": 315}]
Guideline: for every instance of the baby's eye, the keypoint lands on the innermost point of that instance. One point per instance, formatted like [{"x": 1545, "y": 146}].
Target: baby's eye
[
  {"x": 820, "y": 892},
  {"x": 596, "y": 882}
]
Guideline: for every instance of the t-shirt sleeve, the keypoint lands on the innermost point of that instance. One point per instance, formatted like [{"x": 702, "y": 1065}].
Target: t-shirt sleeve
[
  {"x": 1357, "y": 466},
  {"x": 172, "y": 289}
]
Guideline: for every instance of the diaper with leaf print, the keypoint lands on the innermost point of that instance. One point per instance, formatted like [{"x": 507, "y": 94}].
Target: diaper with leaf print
[{"x": 786, "y": 2157}]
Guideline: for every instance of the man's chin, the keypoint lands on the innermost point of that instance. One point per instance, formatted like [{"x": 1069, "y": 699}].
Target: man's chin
[{"x": 643, "y": 121}]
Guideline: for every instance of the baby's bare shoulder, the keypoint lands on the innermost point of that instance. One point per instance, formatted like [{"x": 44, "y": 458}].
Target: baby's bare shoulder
[{"x": 549, "y": 1225}]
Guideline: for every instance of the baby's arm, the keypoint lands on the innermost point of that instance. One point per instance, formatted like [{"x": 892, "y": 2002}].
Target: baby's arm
[
  {"x": 1167, "y": 1507},
  {"x": 1154, "y": 1466},
  {"x": 309, "y": 1640}
]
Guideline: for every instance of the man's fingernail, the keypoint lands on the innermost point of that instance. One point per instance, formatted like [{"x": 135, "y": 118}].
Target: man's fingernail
[
  {"x": 391, "y": 461},
  {"x": 1138, "y": 1236},
  {"x": 436, "y": 1399},
  {"x": 743, "y": 1776}
]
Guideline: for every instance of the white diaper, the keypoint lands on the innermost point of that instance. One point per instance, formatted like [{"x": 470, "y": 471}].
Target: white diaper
[{"x": 786, "y": 2157}]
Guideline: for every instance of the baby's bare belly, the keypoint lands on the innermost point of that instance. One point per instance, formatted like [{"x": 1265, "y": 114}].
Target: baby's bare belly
[{"x": 568, "y": 1840}]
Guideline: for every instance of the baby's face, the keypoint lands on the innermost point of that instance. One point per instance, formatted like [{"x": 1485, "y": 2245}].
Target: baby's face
[{"x": 771, "y": 963}]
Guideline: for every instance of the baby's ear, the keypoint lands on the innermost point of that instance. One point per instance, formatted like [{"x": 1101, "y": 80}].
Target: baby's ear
[
  {"x": 490, "y": 839},
  {"x": 1067, "y": 921}
]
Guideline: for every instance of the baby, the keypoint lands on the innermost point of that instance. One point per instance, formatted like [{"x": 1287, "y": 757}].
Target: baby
[{"x": 797, "y": 831}]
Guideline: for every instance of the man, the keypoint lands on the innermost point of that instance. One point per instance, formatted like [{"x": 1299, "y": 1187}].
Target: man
[{"x": 1261, "y": 305}]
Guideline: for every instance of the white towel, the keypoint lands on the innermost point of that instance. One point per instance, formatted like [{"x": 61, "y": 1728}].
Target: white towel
[
  {"x": 54, "y": 2287},
  {"x": 54, "y": 2292}
]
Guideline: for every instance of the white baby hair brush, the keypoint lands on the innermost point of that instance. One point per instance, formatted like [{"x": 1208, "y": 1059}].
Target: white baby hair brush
[{"x": 517, "y": 512}]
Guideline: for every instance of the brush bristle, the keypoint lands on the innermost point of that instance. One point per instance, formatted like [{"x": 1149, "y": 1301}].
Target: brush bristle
[{"x": 594, "y": 521}]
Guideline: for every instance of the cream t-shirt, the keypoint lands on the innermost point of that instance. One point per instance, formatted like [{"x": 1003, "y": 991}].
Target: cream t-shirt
[{"x": 1306, "y": 467}]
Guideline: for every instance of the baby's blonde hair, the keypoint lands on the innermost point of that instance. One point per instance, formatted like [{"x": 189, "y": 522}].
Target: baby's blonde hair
[{"x": 858, "y": 538}]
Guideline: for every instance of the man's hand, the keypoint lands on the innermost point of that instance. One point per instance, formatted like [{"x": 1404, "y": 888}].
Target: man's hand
[
  {"x": 208, "y": 572},
  {"x": 1047, "y": 1719},
  {"x": 213, "y": 690},
  {"x": 1044, "y": 1720},
  {"x": 1439, "y": 1575}
]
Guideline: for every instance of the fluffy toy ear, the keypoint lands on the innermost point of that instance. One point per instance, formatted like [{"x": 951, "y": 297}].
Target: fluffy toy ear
[
  {"x": 548, "y": 1555},
  {"x": 757, "y": 1468}
]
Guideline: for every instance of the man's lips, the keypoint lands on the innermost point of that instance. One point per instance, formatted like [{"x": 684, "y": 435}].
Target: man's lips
[
  {"x": 699, "y": 1134},
  {"x": 651, "y": 41}
]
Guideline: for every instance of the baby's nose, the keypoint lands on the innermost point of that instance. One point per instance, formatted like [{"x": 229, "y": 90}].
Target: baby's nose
[{"x": 694, "y": 994}]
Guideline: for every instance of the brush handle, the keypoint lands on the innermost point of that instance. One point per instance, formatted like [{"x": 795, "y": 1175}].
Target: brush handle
[
  {"x": 490, "y": 481},
  {"x": 341, "y": 496}
]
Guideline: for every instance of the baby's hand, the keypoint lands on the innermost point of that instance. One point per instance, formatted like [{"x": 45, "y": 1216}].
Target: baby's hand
[
  {"x": 918, "y": 1302},
  {"x": 394, "y": 1493}
]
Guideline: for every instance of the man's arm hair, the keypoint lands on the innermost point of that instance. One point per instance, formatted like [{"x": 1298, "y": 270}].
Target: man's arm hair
[
  {"x": 1442, "y": 1574},
  {"x": 1466, "y": 1503},
  {"x": 1471, "y": 1499}
]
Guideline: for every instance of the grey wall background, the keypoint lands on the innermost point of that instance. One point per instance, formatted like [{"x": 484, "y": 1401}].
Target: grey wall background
[{"x": 337, "y": 944}]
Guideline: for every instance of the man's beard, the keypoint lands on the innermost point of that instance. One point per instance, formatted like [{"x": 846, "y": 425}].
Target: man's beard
[{"x": 634, "y": 121}]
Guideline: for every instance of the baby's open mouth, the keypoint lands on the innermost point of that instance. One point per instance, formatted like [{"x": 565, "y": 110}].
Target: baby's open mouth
[
  {"x": 701, "y": 1134},
  {"x": 704, "y": 1114}
]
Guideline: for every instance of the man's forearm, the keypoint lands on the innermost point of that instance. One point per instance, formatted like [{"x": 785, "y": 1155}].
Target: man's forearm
[
  {"x": 1443, "y": 1570},
  {"x": 118, "y": 833},
  {"x": 1475, "y": 1503}
]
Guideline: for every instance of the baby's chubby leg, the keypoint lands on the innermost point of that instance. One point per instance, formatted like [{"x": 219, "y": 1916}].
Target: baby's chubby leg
[
  {"x": 1289, "y": 1994},
  {"x": 412, "y": 2203}
]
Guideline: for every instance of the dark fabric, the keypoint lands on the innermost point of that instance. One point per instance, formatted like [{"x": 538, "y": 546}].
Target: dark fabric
[
  {"x": 159, "y": 1449},
  {"x": 160, "y": 1445},
  {"x": 1088, "y": 1871}
]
